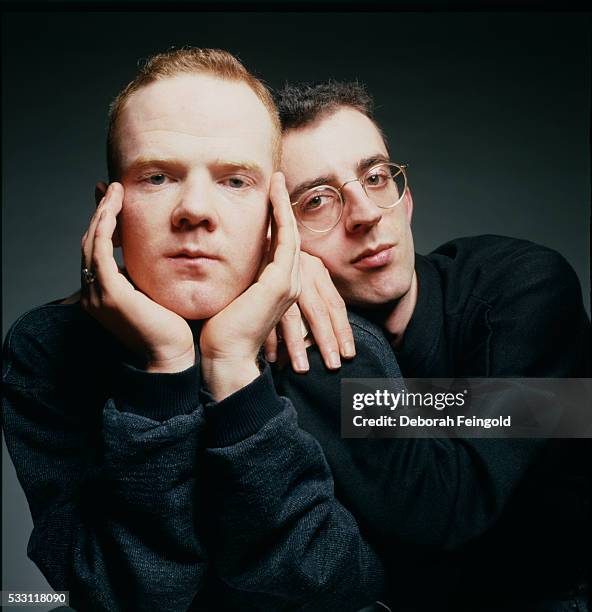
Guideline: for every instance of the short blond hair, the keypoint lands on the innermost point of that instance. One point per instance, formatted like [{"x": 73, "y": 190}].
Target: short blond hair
[{"x": 189, "y": 60}]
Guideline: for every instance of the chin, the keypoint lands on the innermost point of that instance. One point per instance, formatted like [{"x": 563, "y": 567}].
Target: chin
[
  {"x": 195, "y": 309},
  {"x": 374, "y": 296},
  {"x": 194, "y": 313},
  {"x": 367, "y": 301},
  {"x": 193, "y": 303}
]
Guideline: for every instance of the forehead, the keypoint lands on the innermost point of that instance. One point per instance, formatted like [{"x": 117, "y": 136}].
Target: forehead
[
  {"x": 332, "y": 145},
  {"x": 195, "y": 118}
]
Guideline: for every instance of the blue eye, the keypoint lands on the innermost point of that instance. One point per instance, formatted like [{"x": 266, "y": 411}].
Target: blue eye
[
  {"x": 156, "y": 179},
  {"x": 236, "y": 182}
]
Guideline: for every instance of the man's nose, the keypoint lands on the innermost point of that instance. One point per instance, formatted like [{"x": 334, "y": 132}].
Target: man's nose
[
  {"x": 196, "y": 206},
  {"x": 361, "y": 214}
]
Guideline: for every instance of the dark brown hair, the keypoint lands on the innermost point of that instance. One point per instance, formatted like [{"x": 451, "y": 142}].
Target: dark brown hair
[{"x": 302, "y": 104}]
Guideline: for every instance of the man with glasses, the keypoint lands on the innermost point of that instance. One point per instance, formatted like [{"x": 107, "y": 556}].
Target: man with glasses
[
  {"x": 461, "y": 524},
  {"x": 320, "y": 208}
]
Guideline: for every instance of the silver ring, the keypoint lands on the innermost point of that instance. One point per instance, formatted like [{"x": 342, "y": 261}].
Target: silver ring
[{"x": 88, "y": 276}]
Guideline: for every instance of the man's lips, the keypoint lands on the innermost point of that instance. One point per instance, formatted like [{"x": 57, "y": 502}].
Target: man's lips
[
  {"x": 190, "y": 253},
  {"x": 192, "y": 258},
  {"x": 375, "y": 257}
]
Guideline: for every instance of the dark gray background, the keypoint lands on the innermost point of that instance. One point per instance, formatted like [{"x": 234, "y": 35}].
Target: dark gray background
[{"x": 491, "y": 111}]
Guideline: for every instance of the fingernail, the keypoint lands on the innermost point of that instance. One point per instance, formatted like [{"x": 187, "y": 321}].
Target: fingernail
[
  {"x": 301, "y": 364},
  {"x": 349, "y": 349},
  {"x": 334, "y": 360},
  {"x": 271, "y": 357}
]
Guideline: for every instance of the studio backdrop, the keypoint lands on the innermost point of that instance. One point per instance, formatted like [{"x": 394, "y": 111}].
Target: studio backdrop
[{"x": 489, "y": 110}]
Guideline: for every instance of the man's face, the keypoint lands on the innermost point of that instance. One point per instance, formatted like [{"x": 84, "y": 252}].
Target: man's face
[
  {"x": 333, "y": 150},
  {"x": 195, "y": 161}
]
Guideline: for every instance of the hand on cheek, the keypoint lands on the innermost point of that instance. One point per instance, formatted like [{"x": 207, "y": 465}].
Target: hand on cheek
[
  {"x": 161, "y": 340},
  {"x": 231, "y": 340}
]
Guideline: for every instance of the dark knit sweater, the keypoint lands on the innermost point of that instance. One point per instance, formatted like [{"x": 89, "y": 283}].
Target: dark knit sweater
[
  {"x": 143, "y": 499},
  {"x": 145, "y": 495},
  {"x": 465, "y": 523}
]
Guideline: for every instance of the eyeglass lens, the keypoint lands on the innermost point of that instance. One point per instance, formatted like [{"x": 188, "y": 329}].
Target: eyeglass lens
[{"x": 320, "y": 208}]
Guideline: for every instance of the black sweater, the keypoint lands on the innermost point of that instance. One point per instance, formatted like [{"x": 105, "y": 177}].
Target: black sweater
[
  {"x": 140, "y": 496},
  {"x": 464, "y": 523},
  {"x": 146, "y": 495}
]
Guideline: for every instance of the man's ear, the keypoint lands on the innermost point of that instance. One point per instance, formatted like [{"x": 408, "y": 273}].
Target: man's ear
[
  {"x": 409, "y": 204},
  {"x": 100, "y": 190}
]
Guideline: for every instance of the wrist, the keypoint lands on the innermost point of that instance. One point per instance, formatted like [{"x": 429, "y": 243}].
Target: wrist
[
  {"x": 171, "y": 365},
  {"x": 223, "y": 377}
]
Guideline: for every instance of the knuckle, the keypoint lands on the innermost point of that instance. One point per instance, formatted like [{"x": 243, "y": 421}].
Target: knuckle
[
  {"x": 344, "y": 332},
  {"x": 336, "y": 303},
  {"x": 290, "y": 315},
  {"x": 320, "y": 309},
  {"x": 318, "y": 264},
  {"x": 100, "y": 232},
  {"x": 294, "y": 344},
  {"x": 311, "y": 259},
  {"x": 312, "y": 264},
  {"x": 94, "y": 302},
  {"x": 107, "y": 300},
  {"x": 326, "y": 340},
  {"x": 287, "y": 295}
]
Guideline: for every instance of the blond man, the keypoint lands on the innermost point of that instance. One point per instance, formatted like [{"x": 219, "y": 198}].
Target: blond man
[{"x": 162, "y": 470}]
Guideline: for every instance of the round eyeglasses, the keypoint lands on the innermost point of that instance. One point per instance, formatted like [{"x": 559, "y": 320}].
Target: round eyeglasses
[{"x": 319, "y": 209}]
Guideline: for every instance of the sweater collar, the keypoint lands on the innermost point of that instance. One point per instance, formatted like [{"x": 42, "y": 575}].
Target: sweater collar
[{"x": 423, "y": 344}]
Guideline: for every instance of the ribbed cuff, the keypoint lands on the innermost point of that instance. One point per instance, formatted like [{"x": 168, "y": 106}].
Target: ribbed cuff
[
  {"x": 243, "y": 413},
  {"x": 157, "y": 396}
]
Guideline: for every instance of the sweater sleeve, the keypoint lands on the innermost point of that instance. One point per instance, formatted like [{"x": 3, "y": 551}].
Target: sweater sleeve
[
  {"x": 110, "y": 484},
  {"x": 404, "y": 491},
  {"x": 538, "y": 326},
  {"x": 283, "y": 541}
]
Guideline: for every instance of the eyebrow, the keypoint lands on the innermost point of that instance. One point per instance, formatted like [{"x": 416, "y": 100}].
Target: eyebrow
[
  {"x": 154, "y": 162},
  {"x": 239, "y": 165},
  {"x": 368, "y": 162},
  {"x": 306, "y": 185},
  {"x": 146, "y": 162},
  {"x": 361, "y": 167}
]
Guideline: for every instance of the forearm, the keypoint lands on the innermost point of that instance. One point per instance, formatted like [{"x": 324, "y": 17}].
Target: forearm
[
  {"x": 114, "y": 506},
  {"x": 281, "y": 538},
  {"x": 395, "y": 487}
]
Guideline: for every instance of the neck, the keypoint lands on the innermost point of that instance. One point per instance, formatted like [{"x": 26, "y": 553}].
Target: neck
[
  {"x": 397, "y": 320},
  {"x": 394, "y": 317}
]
